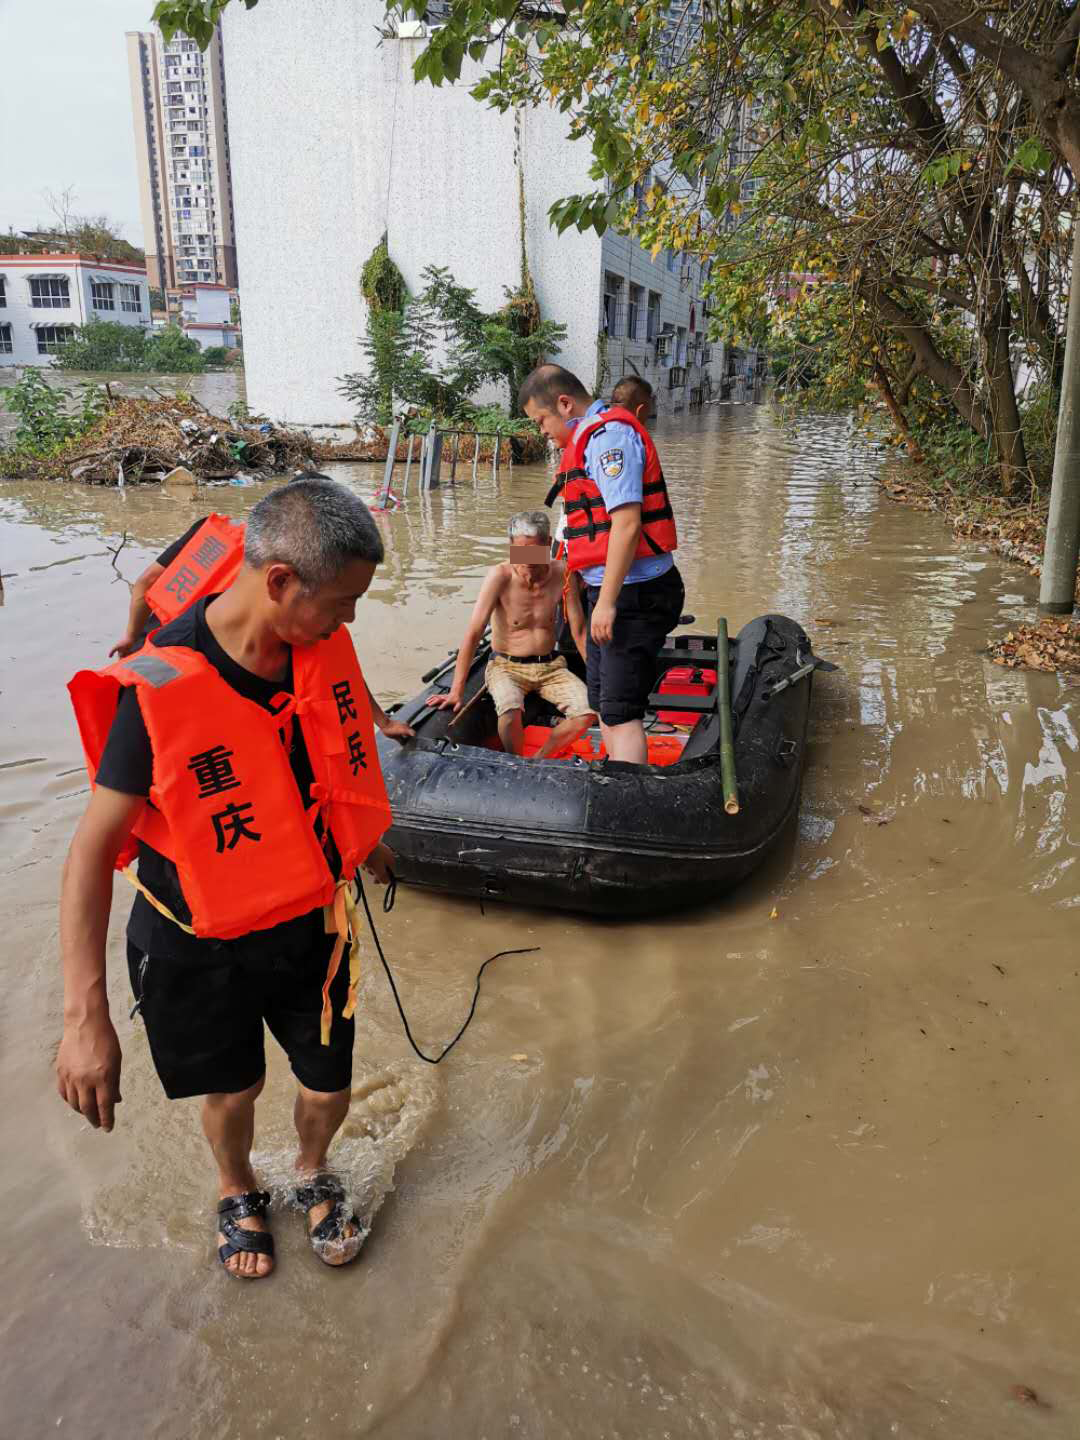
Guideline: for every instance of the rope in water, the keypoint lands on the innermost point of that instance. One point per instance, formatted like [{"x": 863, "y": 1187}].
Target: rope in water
[{"x": 388, "y": 905}]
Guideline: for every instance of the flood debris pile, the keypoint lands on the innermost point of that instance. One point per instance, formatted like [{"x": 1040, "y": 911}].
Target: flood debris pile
[
  {"x": 139, "y": 440},
  {"x": 1052, "y": 644}
]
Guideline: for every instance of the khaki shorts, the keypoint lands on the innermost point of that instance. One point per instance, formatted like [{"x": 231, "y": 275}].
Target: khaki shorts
[{"x": 509, "y": 682}]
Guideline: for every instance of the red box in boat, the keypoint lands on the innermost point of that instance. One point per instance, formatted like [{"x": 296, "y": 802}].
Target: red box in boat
[{"x": 685, "y": 680}]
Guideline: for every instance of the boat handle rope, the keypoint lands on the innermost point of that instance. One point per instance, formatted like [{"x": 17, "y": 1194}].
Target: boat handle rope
[{"x": 388, "y": 904}]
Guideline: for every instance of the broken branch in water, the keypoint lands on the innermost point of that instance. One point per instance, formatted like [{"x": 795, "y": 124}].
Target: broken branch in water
[{"x": 115, "y": 553}]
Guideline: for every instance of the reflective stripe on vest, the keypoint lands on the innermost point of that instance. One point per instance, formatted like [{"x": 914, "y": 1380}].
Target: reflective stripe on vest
[
  {"x": 206, "y": 565},
  {"x": 225, "y": 808},
  {"x": 588, "y": 524}
]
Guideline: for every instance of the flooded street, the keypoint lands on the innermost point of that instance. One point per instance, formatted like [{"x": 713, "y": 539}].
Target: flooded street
[{"x": 802, "y": 1164}]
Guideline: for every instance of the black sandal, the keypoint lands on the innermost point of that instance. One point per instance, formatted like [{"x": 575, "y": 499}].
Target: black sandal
[
  {"x": 331, "y": 1230},
  {"x": 237, "y": 1239}
]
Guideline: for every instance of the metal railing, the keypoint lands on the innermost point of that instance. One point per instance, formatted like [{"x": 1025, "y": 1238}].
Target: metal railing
[{"x": 430, "y": 458}]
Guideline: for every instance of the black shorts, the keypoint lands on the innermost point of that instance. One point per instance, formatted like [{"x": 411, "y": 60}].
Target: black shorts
[
  {"x": 621, "y": 675},
  {"x": 204, "y": 1022}
]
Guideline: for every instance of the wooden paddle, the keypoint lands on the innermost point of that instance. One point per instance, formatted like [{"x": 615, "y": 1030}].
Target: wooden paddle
[{"x": 468, "y": 706}]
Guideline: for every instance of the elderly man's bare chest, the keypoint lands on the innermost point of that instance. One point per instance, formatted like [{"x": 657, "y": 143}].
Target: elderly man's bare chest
[{"x": 526, "y": 609}]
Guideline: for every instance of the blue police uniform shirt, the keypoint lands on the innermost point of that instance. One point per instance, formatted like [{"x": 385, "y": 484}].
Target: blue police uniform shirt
[{"x": 615, "y": 460}]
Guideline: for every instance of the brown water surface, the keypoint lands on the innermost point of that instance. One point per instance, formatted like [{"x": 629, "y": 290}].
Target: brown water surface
[{"x": 801, "y": 1164}]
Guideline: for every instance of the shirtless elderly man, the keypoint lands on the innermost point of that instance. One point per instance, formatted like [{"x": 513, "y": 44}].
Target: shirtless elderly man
[{"x": 520, "y": 598}]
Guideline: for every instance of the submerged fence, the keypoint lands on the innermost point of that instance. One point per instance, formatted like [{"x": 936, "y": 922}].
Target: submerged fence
[{"x": 430, "y": 458}]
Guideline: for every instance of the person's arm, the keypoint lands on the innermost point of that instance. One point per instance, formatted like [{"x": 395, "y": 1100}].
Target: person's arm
[
  {"x": 88, "y": 1061},
  {"x": 485, "y": 604},
  {"x": 620, "y": 481},
  {"x": 575, "y": 614},
  {"x": 392, "y": 729},
  {"x": 622, "y": 546},
  {"x": 139, "y": 610}
]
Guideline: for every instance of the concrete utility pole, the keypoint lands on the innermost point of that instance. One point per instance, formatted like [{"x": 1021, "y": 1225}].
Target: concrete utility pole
[{"x": 1058, "y": 587}]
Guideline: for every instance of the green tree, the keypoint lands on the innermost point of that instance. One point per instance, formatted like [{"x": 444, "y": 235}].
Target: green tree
[
  {"x": 104, "y": 345},
  {"x": 441, "y": 348},
  {"x": 921, "y": 158},
  {"x": 171, "y": 352}
]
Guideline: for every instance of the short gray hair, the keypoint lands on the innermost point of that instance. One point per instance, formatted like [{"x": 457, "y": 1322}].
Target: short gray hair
[
  {"x": 314, "y": 525},
  {"x": 531, "y": 522}
]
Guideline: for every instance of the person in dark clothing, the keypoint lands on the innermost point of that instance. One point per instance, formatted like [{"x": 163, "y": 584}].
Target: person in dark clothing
[
  {"x": 142, "y": 620},
  {"x": 273, "y": 639},
  {"x": 615, "y": 495}
]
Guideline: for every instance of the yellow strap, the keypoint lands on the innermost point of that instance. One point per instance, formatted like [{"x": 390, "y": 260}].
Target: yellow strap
[
  {"x": 346, "y": 922},
  {"x": 129, "y": 874}
]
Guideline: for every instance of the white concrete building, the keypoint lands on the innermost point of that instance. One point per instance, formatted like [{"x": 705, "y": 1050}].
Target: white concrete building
[
  {"x": 43, "y": 298},
  {"x": 359, "y": 149},
  {"x": 206, "y": 315},
  {"x": 182, "y": 153}
]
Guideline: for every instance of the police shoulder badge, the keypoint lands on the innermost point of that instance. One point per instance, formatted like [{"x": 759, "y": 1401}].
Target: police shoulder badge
[{"x": 611, "y": 462}]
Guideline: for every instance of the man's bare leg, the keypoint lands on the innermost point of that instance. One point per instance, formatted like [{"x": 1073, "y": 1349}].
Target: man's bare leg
[
  {"x": 512, "y": 731},
  {"x": 318, "y": 1116},
  {"x": 626, "y": 742},
  {"x": 564, "y": 734},
  {"x": 229, "y": 1126}
]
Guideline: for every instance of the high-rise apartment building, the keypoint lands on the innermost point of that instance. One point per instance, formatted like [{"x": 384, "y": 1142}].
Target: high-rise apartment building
[{"x": 182, "y": 151}]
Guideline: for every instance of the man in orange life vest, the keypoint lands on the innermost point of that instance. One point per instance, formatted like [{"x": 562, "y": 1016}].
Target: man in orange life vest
[
  {"x": 620, "y": 535},
  {"x": 235, "y": 754},
  {"x": 152, "y": 587}
]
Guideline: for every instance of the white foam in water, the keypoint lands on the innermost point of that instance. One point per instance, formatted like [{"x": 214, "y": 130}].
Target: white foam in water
[
  {"x": 389, "y": 1108},
  {"x": 165, "y": 1196}
]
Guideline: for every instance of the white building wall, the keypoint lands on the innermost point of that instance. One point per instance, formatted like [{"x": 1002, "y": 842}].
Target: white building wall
[
  {"x": 206, "y": 304},
  {"x": 358, "y": 149},
  {"x": 678, "y": 285},
  {"x": 24, "y": 317}
]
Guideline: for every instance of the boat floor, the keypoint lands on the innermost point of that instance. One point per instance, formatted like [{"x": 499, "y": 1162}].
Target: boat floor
[{"x": 665, "y": 747}]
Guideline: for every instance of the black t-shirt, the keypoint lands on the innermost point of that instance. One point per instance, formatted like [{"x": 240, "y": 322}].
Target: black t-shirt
[{"x": 127, "y": 766}]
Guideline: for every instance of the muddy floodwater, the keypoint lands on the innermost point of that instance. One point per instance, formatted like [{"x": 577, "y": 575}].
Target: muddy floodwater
[{"x": 801, "y": 1164}]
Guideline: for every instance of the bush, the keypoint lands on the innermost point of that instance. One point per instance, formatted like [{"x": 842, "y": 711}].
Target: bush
[
  {"x": 171, "y": 351},
  {"x": 46, "y": 421},
  {"x": 216, "y": 355},
  {"x": 104, "y": 345}
]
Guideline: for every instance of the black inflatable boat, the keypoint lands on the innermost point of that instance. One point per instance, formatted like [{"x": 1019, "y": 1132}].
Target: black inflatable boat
[{"x": 585, "y": 833}]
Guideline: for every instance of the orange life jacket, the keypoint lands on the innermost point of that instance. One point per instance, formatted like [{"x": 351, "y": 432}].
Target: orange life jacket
[
  {"x": 588, "y": 524},
  {"x": 205, "y": 566},
  {"x": 224, "y": 805}
]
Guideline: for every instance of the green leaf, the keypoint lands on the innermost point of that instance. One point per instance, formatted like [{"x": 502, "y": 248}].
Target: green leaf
[{"x": 1031, "y": 155}]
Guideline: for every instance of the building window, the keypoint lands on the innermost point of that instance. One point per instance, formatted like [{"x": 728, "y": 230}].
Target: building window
[
  {"x": 51, "y": 337},
  {"x": 671, "y": 261},
  {"x": 640, "y": 188},
  {"x": 49, "y": 292},
  {"x": 131, "y": 299},
  {"x": 680, "y": 346},
  {"x": 633, "y": 311},
  {"x": 612, "y": 303},
  {"x": 6, "y": 346},
  {"x": 102, "y": 295},
  {"x": 652, "y": 316},
  {"x": 3, "y": 291}
]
